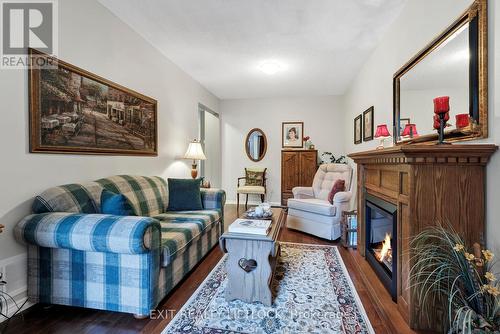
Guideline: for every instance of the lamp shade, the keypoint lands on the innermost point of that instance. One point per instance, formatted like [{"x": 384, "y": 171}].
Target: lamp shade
[
  {"x": 195, "y": 151},
  {"x": 410, "y": 130},
  {"x": 382, "y": 131}
]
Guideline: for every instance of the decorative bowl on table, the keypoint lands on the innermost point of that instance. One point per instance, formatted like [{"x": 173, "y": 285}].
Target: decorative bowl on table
[{"x": 262, "y": 211}]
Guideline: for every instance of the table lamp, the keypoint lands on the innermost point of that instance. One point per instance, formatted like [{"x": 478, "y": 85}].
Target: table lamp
[
  {"x": 382, "y": 133},
  {"x": 410, "y": 131},
  {"x": 194, "y": 152}
]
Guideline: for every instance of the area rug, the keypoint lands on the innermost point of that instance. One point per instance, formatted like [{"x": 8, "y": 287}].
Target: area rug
[{"x": 313, "y": 294}]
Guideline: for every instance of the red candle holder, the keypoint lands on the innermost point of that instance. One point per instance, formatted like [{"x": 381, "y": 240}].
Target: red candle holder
[
  {"x": 462, "y": 120},
  {"x": 441, "y": 104}
]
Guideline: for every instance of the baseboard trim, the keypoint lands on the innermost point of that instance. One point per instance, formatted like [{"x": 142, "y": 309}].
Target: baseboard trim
[{"x": 16, "y": 273}]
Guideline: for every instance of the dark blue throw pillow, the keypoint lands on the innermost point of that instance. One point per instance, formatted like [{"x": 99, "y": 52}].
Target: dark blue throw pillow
[
  {"x": 116, "y": 204},
  {"x": 184, "y": 194}
]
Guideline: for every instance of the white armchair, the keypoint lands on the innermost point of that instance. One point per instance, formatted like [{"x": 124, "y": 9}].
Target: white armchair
[{"x": 310, "y": 211}]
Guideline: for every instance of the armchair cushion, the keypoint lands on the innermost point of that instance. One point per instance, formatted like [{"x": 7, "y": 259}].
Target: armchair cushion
[
  {"x": 90, "y": 232},
  {"x": 338, "y": 186},
  {"x": 251, "y": 190},
  {"x": 314, "y": 205},
  {"x": 254, "y": 177}
]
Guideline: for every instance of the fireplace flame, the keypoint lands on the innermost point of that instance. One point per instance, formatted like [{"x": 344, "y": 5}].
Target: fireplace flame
[{"x": 386, "y": 247}]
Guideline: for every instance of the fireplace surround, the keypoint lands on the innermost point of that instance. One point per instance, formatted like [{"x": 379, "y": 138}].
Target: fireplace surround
[{"x": 427, "y": 184}]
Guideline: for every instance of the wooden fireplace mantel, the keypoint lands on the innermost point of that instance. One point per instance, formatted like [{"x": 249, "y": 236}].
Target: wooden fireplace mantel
[{"x": 430, "y": 185}]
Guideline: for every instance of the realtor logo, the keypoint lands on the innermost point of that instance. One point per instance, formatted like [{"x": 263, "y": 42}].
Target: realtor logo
[{"x": 27, "y": 24}]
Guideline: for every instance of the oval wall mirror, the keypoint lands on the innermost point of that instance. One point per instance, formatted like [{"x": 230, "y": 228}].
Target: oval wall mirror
[{"x": 256, "y": 145}]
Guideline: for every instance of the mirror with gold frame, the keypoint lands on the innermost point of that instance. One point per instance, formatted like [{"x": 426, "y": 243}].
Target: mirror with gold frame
[
  {"x": 256, "y": 145},
  {"x": 455, "y": 64}
]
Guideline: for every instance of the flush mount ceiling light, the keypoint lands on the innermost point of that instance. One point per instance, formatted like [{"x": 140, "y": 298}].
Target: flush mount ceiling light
[{"x": 271, "y": 67}]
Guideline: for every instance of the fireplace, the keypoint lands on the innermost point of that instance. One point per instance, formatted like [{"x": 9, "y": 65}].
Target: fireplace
[{"x": 381, "y": 245}]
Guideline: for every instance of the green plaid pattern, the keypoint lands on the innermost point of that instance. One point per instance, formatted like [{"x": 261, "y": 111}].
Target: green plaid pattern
[
  {"x": 148, "y": 195},
  {"x": 79, "y": 257},
  {"x": 180, "y": 229},
  {"x": 78, "y": 198}
]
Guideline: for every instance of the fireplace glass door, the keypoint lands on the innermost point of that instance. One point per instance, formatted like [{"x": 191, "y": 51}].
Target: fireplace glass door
[{"x": 381, "y": 245}]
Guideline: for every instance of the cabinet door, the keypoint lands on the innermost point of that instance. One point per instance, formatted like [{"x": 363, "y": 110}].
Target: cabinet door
[
  {"x": 308, "y": 164},
  {"x": 289, "y": 171}
]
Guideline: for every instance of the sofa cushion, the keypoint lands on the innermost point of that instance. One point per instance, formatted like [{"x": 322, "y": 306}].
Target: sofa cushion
[
  {"x": 338, "y": 186},
  {"x": 179, "y": 229},
  {"x": 254, "y": 176},
  {"x": 74, "y": 198},
  {"x": 148, "y": 195},
  {"x": 313, "y": 205},
  {"x": 184, "y": 194},
  {"x": 116, "y": 204}
]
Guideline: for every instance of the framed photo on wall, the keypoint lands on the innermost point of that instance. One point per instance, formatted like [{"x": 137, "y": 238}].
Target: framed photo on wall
[
  {"x": 292, "y": 134},
  {"x": 402, "y": 124},
  {"x": 358, "y": 124},
  {"x": 74, "y": 111},
  {"x": 368, "y": 127}
]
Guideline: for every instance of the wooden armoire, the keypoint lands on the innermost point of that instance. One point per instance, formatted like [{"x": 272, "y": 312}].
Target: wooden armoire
[{"x": 298, "y": 168}]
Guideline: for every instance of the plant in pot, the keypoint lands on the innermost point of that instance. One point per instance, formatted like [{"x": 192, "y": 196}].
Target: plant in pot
[{"x": 445, "y": 269}]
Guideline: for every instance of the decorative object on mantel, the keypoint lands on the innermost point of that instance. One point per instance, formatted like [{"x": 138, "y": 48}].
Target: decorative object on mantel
[
  {"x": 358, "y": 129},
  {"x": 382, "y": 134},
  {"x": 292, "y": 134},
  {"x": 402, "y": 125},
  {"x": 461, "y": 277},
  {"x": 442, "y": 109},
  {"x": 194, "y": 152},
  {"x": 368, "y": 125},
  {"x": 329, "y": 158},
  {"x": 462, "y": 121},
  {"x": 427, "y": 184},
  {"x": 329, "y": 303},
  {"x": 74, "y": 111},
  {"x": 410, "y": 131}
]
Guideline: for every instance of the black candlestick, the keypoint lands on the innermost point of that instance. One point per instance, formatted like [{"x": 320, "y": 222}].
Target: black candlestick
[{"x": 442, "y": 124}]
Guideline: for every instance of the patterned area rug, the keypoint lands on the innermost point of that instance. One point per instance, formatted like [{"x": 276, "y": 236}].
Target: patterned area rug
[{"x": 313, "y": 294}]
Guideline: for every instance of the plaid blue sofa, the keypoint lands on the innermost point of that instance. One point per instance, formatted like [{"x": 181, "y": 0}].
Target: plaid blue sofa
[{"x": 80, "y": 257}]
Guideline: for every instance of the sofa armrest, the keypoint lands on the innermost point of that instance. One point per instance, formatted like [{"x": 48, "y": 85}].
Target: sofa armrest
[
  {"x": 342, "y": 197},
  {"x": 90, "y": 232},
  {"x": 303, "y": 192},
  {"x": 213, "y": 198}
]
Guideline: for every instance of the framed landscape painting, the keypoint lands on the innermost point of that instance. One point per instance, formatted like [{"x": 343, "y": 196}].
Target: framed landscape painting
[
  {"x": 358, "y": 124},
  {"x": 74, "y": 111}
]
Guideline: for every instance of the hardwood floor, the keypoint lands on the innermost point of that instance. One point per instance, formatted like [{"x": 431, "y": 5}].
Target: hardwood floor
[{"x": 381, "y": 311}]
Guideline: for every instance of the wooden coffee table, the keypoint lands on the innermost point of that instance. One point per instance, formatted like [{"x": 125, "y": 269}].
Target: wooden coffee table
[{"x": 251, "y": 262}]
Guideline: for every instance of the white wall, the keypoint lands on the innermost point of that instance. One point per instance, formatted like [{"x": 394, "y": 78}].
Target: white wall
[
  {"x": 323, "y": 119},
  {"x": 212, "y": 166},
  {"x": 94, "y": 39},
  {"x": 419, "y": 23}
]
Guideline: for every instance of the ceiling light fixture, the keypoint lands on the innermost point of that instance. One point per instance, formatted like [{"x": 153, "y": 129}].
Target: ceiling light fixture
[{"x": 271, "y": 67}]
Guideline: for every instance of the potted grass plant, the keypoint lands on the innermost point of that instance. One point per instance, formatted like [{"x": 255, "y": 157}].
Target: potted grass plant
[{"x": 445, "y": 269}]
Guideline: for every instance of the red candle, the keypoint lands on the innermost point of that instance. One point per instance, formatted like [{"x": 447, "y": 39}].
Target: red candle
[
  {"x": 441, "y": 104},
  {"x": 462, "y": 120}
]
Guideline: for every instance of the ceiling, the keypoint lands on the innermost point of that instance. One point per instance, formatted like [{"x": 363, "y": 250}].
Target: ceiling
[{"x": 221, "y": 43}]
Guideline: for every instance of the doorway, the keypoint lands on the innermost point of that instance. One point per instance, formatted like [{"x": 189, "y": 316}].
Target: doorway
[{"x": 210, "y": 169}]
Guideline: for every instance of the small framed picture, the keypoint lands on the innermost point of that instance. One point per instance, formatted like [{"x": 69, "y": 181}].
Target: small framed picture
[
  {"x": 368, "y": 124},
  {"x": 402, "y": 124},
  {"x": 292, "y": 134},
  {"x": 357, "y": 130}
]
